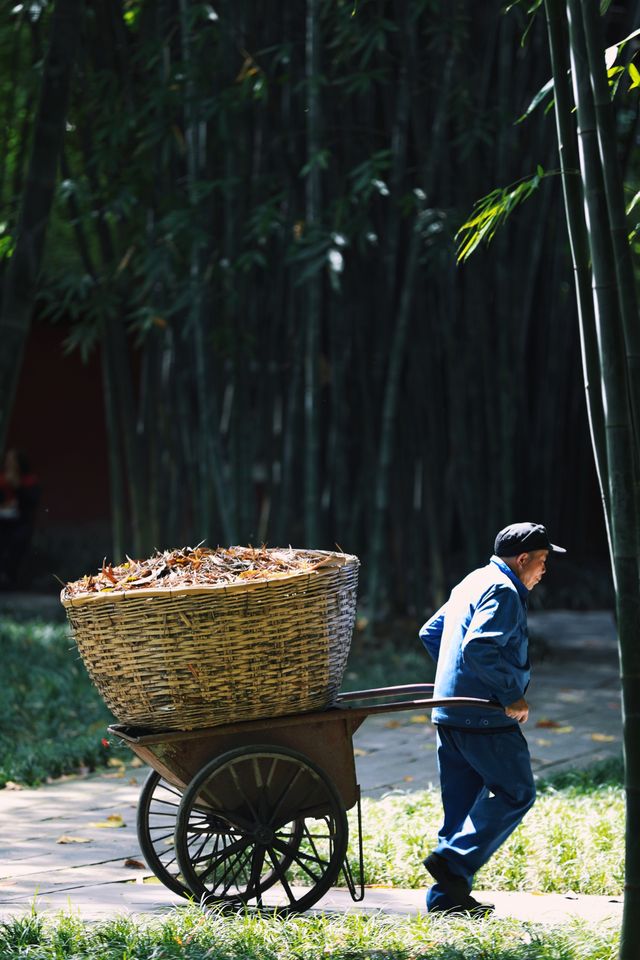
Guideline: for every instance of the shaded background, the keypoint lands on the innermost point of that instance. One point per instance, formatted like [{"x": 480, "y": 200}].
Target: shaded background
[{"x": 250, "y": 324}]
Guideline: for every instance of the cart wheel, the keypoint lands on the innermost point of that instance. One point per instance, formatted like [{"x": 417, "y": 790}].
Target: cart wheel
[
  {"x": 157, "y": 812},
  {"x": 275, "y": 825}
]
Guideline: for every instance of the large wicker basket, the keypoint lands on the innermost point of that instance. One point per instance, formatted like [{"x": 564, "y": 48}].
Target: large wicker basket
[{"x": 206, "y": 655}]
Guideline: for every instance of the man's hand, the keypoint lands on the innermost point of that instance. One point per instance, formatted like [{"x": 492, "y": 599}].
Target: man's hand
[{"x": 518, "y": 711}]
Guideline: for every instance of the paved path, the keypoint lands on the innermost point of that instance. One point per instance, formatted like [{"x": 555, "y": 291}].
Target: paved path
[{"x": 575, "y": 720}]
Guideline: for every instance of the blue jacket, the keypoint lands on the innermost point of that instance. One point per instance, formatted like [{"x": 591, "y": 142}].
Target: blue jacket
[{"x": 480, "y": 643}]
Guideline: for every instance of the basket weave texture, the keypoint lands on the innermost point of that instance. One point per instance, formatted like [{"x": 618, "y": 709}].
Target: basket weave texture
[{"x": 206, "y": 655}]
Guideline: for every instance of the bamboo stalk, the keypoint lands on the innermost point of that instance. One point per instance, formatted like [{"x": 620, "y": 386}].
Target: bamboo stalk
[
  {"x": 115, "y": 455},
  {"x": 626, "y": 281},
  {"x": 19, "y": 287},
  {"x": 109, "y": 388},
  {"x": 314, "y": 284},
  {"x": 605, "y": 296},
  {"x": 387, "y": 429},
  {"x": 9, "y": 114},
  {"x": 578, "y": 240},
  {"x": 213, "y": 486},
  {"x": 621, "y": 470}
]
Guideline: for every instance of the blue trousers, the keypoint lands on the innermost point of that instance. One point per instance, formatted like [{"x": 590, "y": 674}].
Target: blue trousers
[{"x": 487, "y": 787}]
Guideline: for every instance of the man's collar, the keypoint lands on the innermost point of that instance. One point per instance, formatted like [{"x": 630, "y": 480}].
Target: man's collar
[{"x": 522, "y": 590}]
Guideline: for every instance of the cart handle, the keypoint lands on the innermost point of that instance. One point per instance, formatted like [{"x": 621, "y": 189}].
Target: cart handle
[
  {"x": 378, "y": 692},
  {"x": 404, "y": 691}
]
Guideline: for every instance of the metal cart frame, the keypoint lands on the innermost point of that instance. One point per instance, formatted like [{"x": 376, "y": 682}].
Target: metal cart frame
[{"x": 253, "y": 814}]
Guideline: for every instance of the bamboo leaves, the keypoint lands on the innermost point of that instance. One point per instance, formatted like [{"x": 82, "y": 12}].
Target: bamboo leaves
[
  {"x": 543, "y": 93},
  {"x": 631, "y": 206},
  {"x": 634, "y": 73},
  {"x": 492, "y": 211}
]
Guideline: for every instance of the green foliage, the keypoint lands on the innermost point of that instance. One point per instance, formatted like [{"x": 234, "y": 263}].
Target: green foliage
[
  {"x": 189, "y": 934},
  {"x": 543, "y": 94},
  {"x": 492, "y": 211},
  {"x": 7, "y": 246},
  {"x": 52, "y": 720}
]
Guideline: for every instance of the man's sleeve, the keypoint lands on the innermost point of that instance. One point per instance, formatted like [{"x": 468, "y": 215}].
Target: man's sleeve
[
  {"x": 431, "y": 633},
  {"x": 493, "y": 623}
]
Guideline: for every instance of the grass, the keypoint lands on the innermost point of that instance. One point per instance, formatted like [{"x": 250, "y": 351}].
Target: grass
[
  {"x": 52, "y": 721},
  {"x": 187, "y": 933},
  {"x": 571, "y": 841}
]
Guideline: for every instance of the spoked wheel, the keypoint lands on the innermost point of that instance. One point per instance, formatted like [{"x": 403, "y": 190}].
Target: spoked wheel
[
  {"x": 156, "y": 821},
  {"x": 263, "y": 827}
]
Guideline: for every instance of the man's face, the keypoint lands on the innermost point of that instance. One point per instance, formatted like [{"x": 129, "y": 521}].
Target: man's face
[{"x": 531, "y": 567}]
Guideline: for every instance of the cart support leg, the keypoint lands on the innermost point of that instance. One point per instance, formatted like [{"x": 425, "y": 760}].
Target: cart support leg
[{"x": 357, "y": 892}]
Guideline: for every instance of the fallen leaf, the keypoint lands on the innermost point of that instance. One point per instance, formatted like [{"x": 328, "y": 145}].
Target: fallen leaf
[
  {"x": 392, "y": 724},
  {"x": 150, "y": 880},
  {"x": 136, "y": 762},
  {"x": 570, "y": 696},
  {"x": 563, "y": 730},
  {"x": 358, "y": 752},
  {"x": 543, "y": 743},
  {"x": 548, "y": 724},
  {"x": 135, "y": 864},
  {"x": 420, "y": 718},
  {"x": 602, "y": 737},
  {"x": 114, "y": 820},
  {"x": 65, "y": 838},
  {"x": 115, "y": 762},
  {"x": 408, "y": 778}
]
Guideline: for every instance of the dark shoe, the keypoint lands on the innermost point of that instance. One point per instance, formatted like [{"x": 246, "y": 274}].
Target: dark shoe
[
  {"x": 455, "y": 886},
  {"x": 469, "y": 908},
  {"x": 476, "y": 909}
]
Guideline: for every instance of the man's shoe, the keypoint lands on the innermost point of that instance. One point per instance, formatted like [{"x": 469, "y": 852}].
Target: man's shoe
[
  {"x": 455, "y": 886},
  {"x": 469, "y": 908},
  {"x": 476, "y": 909}
]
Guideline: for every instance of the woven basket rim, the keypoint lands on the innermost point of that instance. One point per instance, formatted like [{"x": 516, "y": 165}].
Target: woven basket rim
[{"x": 339, "y": 560}]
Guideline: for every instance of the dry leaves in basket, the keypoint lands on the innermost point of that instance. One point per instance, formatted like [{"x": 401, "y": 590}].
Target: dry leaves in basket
[{"x": 199, "y": 566}]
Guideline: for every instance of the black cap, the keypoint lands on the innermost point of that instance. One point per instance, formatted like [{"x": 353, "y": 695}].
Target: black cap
[{"x": 522, "y": 538}]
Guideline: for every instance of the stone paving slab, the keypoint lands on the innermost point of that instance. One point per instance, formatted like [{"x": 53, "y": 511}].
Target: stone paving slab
[{"x": 575, "y": 720}]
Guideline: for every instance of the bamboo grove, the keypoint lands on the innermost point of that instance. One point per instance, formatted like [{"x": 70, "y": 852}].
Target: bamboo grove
[
  {"x": 253, "y": 222},
  {"x": 610, "y": 336},
  {"x": 586, "y": 76}
]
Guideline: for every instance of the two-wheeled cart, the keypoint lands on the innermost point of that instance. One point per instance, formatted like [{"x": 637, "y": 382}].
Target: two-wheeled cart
[{"x": 254, "y": 813}]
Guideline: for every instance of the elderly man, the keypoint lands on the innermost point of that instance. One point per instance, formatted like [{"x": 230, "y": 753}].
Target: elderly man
[{"x": 480, "y": 644}]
